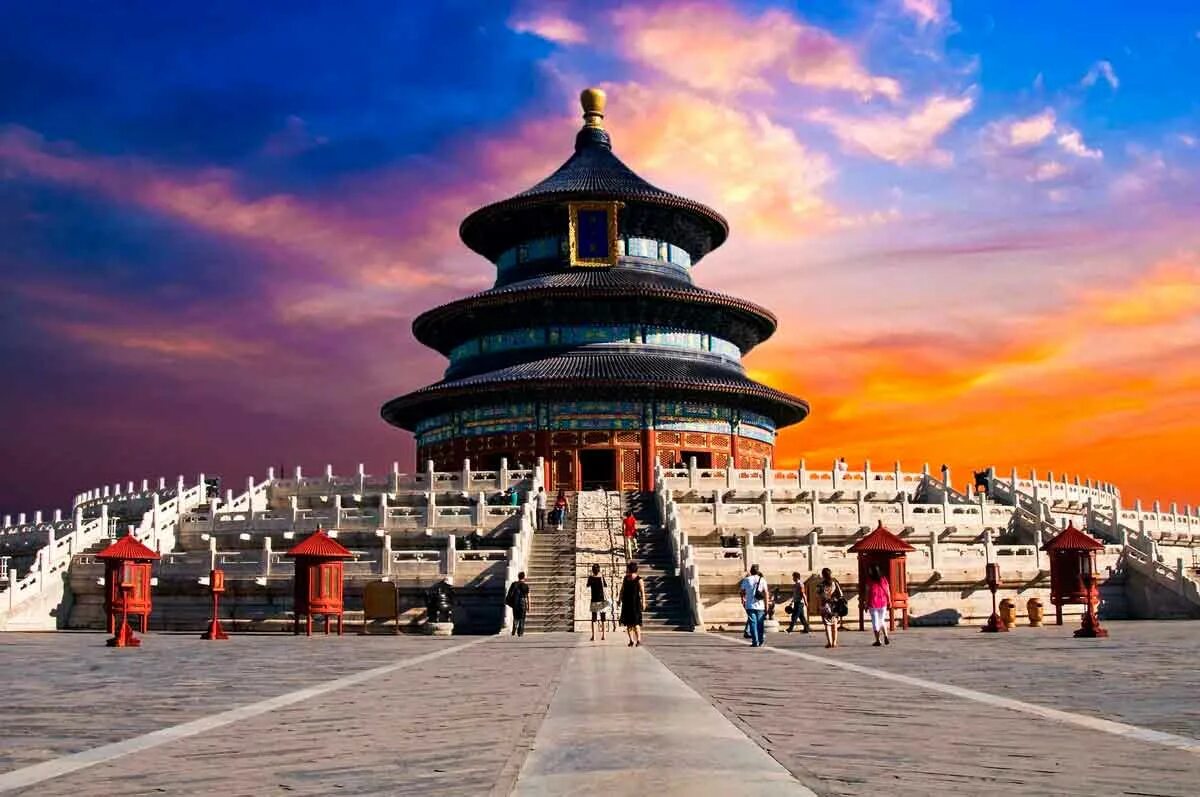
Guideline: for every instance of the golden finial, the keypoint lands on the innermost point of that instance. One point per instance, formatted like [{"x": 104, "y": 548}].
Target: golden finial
[{"x": 593, "y": 102}]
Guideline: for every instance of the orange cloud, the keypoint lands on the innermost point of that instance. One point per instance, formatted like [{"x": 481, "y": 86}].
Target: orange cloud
[
  {"x": 896, "y": 137},
  {"x": 1082, "y": 388},
  {"x": 1167, "y": 294},
  {"x": 727, "y": 171},
  {"x": 712, "y": 46},
  {"x": 169, "y": 344}
]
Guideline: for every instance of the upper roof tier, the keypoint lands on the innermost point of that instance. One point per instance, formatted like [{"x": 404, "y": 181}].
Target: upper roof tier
[{"x": 594, "y": 173}]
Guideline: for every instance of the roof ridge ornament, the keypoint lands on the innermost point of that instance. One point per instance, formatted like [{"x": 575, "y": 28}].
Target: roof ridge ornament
[{"x": 593, "y": 101}]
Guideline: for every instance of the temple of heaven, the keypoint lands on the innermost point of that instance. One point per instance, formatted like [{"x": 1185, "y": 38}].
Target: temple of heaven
[{"x": 594, "y": 349}]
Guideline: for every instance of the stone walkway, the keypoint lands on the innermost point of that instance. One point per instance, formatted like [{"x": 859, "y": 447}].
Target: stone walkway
[
  {"x": 622, "y": 723},
  {"x": 552, "y": 714}
]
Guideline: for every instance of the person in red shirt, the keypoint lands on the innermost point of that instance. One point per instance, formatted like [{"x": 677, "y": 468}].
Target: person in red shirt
[{"x": 629, "y": 530}]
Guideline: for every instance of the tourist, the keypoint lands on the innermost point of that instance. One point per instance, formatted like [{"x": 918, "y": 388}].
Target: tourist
[
  {"x": 833, "y": 606},
  {"x": 560, "y": 510},
  {"x": 599, "y": 603},
  {"x": 517, "y": 599},
  {"x": 799, "y": 607},
  {"x": 629, "y": 532},
  {"x": 541, "y": 509},
  {"x": 514, "y": 496},
  {"x": 879, "y": 599},
  {"x": 842, "y": 467},
  {"x": 755, "y": 594},
  {"x": 633, "y": 603}
]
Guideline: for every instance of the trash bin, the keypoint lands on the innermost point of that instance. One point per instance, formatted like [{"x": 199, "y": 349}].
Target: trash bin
[
  {"x": 1008, "y": 613},
  {"x": 1036, "y": 612}
]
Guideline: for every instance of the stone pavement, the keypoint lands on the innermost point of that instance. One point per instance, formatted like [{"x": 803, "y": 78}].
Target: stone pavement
[
  {"x": 844, "y": 733},
  {"x": 273, "y": 714}
]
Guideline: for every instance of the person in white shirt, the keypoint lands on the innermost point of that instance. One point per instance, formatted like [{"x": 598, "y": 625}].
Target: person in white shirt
[
  {"x": 755, "y": 594},
  {"x": 541, "y": 509}
]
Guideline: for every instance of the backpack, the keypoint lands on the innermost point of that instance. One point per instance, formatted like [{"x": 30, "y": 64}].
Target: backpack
[{"x": 510, "y": 599}]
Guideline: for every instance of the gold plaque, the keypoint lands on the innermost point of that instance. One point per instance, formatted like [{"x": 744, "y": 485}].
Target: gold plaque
[{"x": 593, "y": 233}]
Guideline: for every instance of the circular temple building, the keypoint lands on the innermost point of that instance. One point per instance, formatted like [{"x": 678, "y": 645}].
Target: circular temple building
[{"x": 595, "y": 349}]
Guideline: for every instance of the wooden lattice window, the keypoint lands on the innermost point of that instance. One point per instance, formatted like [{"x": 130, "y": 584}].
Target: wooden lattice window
[{"x": 631, "y": 466}]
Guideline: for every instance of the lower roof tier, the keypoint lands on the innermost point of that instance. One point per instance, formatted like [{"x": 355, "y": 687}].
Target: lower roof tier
[
  {"x": 598, "y": 374},
  {"x": 617, "y": 295}
]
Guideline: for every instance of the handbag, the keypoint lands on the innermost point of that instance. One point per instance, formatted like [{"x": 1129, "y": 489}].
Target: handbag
[{"x": 840, "y": 607}]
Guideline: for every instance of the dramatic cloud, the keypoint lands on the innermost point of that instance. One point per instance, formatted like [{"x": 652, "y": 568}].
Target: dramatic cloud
[
  {"x": 557, "y": 29},
  {"x": 1031, "y": 130},
  {"x": 1079, "y": 374},
  {"x": 1167, "y": 294},
  {"x": 209, "y": 200},
  {"x": 1048, "y": 170},
  {"x": 713, "y": 46},
  {"x": 727, "y": 171},
  {"x": 1072, "y": 141},
  {"x": 1101, "y": 70},
  {"x": 205, "y": 274},
  {"x": 1034, "y": 137},
  {"x": 899, "y": 138},
  {"x": 927, "y": 12}
]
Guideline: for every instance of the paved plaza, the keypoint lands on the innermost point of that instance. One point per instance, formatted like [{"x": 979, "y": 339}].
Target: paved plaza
[{"x": 947, "y": 711}]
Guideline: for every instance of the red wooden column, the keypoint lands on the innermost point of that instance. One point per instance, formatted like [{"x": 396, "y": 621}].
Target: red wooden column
[
  {"x": 649, "y": 458},
  {"x": 319, "y": 580},
  {"x": 127, "y": 575},
  {"x": 882, "y": 547}
]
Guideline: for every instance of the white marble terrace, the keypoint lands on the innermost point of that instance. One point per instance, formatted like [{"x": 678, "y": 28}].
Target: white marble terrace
[
  {"x": 248, "y": 533},
  {"x": 719, "y": 521}
]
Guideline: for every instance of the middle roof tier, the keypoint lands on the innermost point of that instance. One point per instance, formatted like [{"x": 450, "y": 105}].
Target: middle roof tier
[{"x": 600, "y": 296}]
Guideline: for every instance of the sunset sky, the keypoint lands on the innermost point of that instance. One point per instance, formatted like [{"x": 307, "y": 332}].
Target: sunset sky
[{"x": 978, "y": 223}]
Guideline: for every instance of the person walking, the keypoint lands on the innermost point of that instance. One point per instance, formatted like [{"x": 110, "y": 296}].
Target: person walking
[
  {"x": 599, "y": 603},
  {"x": 833, "y": 603},
  {"x": 879, "y": 600},
  {"x": 560, "y": 510},
  {"x": 517, "y": 599},
  {"x": 633, "y": 604},
  {"x": 541, "y": 509},
  {"x": 799, "y": 604},
  {"x": 755, "y": 594},
  {"x": 629, "y": 532}
]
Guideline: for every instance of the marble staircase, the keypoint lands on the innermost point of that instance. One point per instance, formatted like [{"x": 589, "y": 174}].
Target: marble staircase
[
  {"x": 550, "y": 572},
  {"x": 666, "y": 605}
]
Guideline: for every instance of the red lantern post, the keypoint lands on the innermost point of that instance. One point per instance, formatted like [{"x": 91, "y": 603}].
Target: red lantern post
[
  {"x": 993, "y": 581},
  {"x": 1089, "y": 626},
  {"x": 127, "y": 583},
  {"x": 216, "y": 585}
]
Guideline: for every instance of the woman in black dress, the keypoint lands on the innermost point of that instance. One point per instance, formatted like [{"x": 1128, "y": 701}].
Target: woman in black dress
[{"x": 633, "y": 603}]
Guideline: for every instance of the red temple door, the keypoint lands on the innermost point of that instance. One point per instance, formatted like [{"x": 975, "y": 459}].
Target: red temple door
[{"x": 564, "y": 470}]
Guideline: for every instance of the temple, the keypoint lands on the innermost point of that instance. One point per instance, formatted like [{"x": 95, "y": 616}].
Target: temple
[
  {"x": 595, "y": 350},
  {"x": 593, "y": 362}
]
